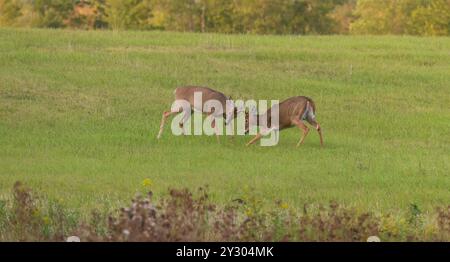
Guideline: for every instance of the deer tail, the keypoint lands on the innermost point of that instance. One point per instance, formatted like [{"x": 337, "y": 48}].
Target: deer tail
[{"x": 310, "y": 102}]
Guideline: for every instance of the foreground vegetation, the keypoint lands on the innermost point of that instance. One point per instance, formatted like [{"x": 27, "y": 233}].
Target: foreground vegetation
[
  {"x": 79, "y": 114},
  {"x": 183, "y": 216}
]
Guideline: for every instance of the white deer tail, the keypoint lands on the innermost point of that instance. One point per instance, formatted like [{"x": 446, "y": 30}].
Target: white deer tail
[{"x": 309, "y": 112}]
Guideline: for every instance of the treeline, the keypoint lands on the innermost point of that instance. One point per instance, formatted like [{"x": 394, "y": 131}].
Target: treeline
[{"x": 416, "y": 17}]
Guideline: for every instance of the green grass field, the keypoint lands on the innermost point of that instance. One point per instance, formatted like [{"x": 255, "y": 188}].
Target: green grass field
[{"x": 79, "y": 114}]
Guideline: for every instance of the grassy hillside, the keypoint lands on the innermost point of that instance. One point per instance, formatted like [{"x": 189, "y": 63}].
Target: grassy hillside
[{"x": 79, "y": 114}]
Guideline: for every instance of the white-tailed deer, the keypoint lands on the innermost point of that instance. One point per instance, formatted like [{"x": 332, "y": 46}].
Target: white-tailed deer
[
  {"x": 186, "y": 96},
  {"x": 292, "y": 112}
]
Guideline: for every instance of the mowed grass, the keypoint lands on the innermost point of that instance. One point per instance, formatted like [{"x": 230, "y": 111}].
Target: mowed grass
[{"x": 79, "y": 114}]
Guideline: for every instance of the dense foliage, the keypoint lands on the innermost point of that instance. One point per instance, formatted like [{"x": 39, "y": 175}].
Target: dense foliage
[
  {"x": 187, "y": 216},
  {"x": 418, "y": 17}
]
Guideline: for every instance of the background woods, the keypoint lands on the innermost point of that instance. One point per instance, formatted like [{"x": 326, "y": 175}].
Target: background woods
[{"x": 415, "y": 17}]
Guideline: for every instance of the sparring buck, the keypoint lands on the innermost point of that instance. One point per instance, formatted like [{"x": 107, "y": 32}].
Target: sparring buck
[
  {"x": 291, "y": 112},
  {"x": 184, "y": 101}
]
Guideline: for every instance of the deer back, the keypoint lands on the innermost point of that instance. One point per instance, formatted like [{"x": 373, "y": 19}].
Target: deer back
[{"x": 187, "y": 93}]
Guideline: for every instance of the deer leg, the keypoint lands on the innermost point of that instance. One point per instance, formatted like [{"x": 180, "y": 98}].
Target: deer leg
[
  {"x": 217, "y": 135},
  {"x": 181, "y": 125},
  {"x": 165, "y": 115},
  {"x": 256, "y": 138},
  {"x": 187, "y": 115},
  {"x": 226, "y": 130},
  {"x": 319, "y": 130},
  {"x": 317, "y": 127},
  {"x": 213, "y": 125},
  {"x": 305, "y": 130}
]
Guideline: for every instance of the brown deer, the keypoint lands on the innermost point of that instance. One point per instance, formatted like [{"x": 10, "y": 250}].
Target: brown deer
[
  {"x": 186, "y": 94},
  {"x": 292, "y": 112}
]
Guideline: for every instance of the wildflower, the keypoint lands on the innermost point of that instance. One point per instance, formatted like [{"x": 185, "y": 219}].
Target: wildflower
[
  {"x": 284, "y": 206},
  {"x": 147, "y": 182},
  {"x": 430, "y": 229},
  {"x": 46, "y": 220},
  {"x": 249, "y": 212},
  {"x": 36, "y": 213}
]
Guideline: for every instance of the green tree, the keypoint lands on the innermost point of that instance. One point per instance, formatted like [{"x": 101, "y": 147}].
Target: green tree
[
  {"x": 127, "y": 14},
  {"x": 342, "y": 16},
  {"x": 260, "y": 16},
  {"x": 10, "y": 11},
  {"x": 317, "y": 16},
  {"x": 432, "y": 19},
  {"x": 372, "y": 17},
  {"x": 283, "y": 16},
  {"x": 182, "y": 15},
  {"x": 423, "y": 17},
  {"x": 52, "y": 13},
  {"x": 218, "y": 16}
]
